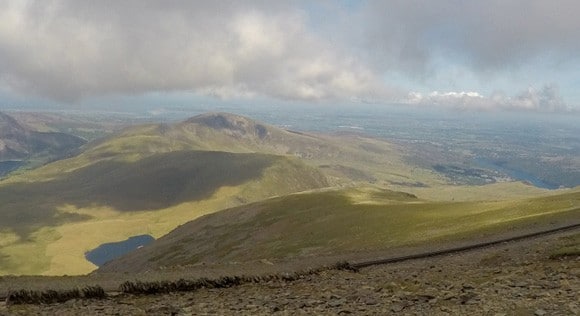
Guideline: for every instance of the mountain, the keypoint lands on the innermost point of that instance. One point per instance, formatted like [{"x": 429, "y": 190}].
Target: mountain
[
  {"x": 346, "y": 222},
  {"x": 146, "y": 179},
  {"x": 20, "y": 143},
  {"x": 343, "y": 158}
]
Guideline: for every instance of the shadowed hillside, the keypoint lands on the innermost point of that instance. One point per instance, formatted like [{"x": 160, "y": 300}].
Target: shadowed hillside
[
  {"x": 156, "y": 182},
  {"x": 343, "y": 158},
  {"x": 146, "y": 180},
  {"x": 340, "y": 222},
  {"x": 20, "y": 143}
]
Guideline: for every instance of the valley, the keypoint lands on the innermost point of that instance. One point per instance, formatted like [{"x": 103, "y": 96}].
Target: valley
[
  {"x": 346, "y": 157},
  {"x": 149, "y": 179},
  {"x": 221, "y": 193}
]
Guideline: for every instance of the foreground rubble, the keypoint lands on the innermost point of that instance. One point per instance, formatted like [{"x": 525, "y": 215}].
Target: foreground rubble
[{"x": 520, "y": 278}]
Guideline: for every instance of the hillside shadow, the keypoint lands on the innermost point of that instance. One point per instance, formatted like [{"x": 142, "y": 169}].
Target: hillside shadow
[{"x": 156, "y": 182}]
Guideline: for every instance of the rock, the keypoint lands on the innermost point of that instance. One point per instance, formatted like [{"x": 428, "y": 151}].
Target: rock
[
  {"x": 449, "y": 296},
  {"x": 275, "y": 308},
  {"x": 266, "y": 261},
  {"x": 468, "y": 298},
  {"x": 336, "y": 303},
  {"x": 445, "y": 309},
  {"x": 521, "y": 284},
  {"x": 397, "y": 307},
  {"x": 361, "y": 308},
  {"x": 423, "y": 298},
  {"x": 540, "y": 312},
  {"x": 311, "y": 303},
  {"x": 468, "y": 287},
  {"x": 164, "y": 310}
]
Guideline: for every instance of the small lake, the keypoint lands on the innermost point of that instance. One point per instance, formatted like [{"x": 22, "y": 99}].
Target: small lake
[
  {"x": 109, "y": 251},
  {"x": 516, "y": 174},
  {"x": 10, "y": 165}
]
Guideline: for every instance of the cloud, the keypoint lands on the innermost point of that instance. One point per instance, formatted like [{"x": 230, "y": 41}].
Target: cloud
[
  {"x": 545, "y": 99},
  {"x": 69, "y": 50},
  {"x": 487, "y": 35}
]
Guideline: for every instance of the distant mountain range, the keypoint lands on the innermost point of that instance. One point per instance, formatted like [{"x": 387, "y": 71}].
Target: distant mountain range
[{"x": 21, "y": 143}]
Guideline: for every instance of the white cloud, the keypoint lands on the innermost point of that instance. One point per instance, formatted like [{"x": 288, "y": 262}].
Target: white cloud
[
  {"x": 546, "y": 99},
  {"x": 68, "y": 50}
]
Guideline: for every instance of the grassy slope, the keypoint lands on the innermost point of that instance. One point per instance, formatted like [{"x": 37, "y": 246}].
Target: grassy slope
[
  {"x": 490, "y": 192},
  {"x": 121, "y": 185},
  {"x": 322, "y": 223},
  {"x": 147, "y": 179},
  {"x": 347, "y": 157},
  {"x": 83, "y": 209},
  {"x": 344, "y": 159}
]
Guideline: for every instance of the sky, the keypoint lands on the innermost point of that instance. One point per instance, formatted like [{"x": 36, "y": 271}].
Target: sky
[{"x": 494, "y": 55}]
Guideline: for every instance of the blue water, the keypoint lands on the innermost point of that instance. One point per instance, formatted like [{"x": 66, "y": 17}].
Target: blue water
[
  {"x": 516, "y": 174},
  {"x": 109, "y": 251},
  {"x": 8, "y": 166}
]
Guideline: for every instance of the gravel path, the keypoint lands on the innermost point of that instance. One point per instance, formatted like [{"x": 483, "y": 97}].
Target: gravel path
[{"x": 511, "y": 279}]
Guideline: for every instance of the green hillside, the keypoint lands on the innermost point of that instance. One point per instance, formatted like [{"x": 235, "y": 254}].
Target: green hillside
[
  {"x": 343, "y": 158},
  {"x": 148, "y": 179},
  {"x": 342, "y": 222},
  {"x": 156, "y": 182},
  {"x": 145, "y": 180},
  {"x": 149, "y": 196}
]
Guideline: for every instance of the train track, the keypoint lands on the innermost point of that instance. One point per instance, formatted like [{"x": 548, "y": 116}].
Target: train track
[{"x": 429, "y": 254}]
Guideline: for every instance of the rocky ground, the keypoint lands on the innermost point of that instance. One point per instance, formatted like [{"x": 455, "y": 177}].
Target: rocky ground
[{"x": 517, "y": 278}]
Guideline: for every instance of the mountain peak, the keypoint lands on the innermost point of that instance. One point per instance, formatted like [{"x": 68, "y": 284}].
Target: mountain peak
[
  {"x": 19, "y": 142},
  {"x": 230, "y": 122}
]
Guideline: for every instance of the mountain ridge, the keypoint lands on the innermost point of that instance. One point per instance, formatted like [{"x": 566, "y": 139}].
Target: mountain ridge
[
  {"x": 340, "y": 222},
  {"x": 20, "y": 143},
  {"x": 150, "y": 178},
  {"x": 158, "y": 174}
]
